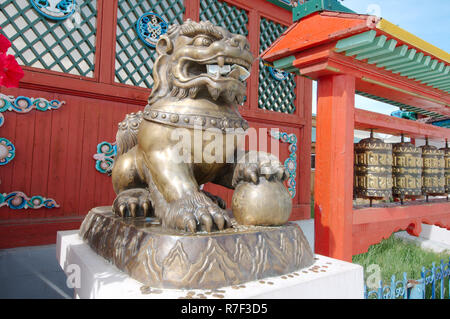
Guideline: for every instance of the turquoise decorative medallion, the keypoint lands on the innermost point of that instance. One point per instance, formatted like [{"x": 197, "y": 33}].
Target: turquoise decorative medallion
[
  {"x": 55, "y": 9},
  {"x": 105, "y": 157},
  {"x": 278, "y": 74},
  {"x": 7, "y": 151},
  {"x": 150, "y": 27},
  {"x": 23, "y": 104},
  {"x": 18, "y": 200},
  {"x": 291, "y": 162}
]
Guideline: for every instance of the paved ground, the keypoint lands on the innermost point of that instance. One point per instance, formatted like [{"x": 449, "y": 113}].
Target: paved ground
[{"x": 32, "y": 272}]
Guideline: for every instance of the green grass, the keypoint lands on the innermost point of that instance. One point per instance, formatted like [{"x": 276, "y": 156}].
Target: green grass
[{"x": 395, "y": 257}]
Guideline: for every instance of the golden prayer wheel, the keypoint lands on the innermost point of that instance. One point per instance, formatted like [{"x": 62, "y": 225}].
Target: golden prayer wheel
[
  {"x": 433, "y": 173},
  {"x": 406, "y": 170},
  {"x": 373, "y": 169},
  {"x": 446, "y": 151}
]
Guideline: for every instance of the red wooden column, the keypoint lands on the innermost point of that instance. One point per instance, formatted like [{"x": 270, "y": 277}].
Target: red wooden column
[
  {"x": 192, "y": 10},
  {"x": 333, "y": 200}
]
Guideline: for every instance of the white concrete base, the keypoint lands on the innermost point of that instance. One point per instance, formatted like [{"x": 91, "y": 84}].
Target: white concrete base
[
  {"x": 435, "y": 233},
  {"x": 432, "y": 238},
  {"x": 328, "y": 278}
]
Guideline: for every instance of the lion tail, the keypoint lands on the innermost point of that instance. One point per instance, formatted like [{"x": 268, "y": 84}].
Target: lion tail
[{"x": 126, "y": 137}]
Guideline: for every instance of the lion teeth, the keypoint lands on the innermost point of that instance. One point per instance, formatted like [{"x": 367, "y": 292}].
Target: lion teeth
[
  {"x": 243, "y": 73},
  {"x": 225, "y": 70},
  {"x": 214, "y": 69},
  {"x": 221, "y": 61}
]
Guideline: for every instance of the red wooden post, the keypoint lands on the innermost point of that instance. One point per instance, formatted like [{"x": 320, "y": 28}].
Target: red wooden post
[
  {"x": 253, "y": 37},
  {"x": 192, "y": 10},
  {"x": 106, "y": 40},
  {"x": 334, "y": 166},
  {"x": 304, "y": 111}
]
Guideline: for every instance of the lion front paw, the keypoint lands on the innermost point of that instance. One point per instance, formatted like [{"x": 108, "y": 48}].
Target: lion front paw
[
  {"x": 133, "y": 203},
  {"x": 216, "y": 199},
  {"x": 258, "y": 164},
  {"x": 196, "y": 212}
]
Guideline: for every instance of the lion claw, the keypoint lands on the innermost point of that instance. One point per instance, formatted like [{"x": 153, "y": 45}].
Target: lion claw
[
  {"x": 258, "y": 164},
  {"x": 196, "y": 213},
  {"x": 133, "y": 203}
]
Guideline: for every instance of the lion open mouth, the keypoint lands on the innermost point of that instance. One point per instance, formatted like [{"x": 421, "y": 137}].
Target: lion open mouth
[
  {"x": 222, "y": 76},
  {"x": 228, "y": 67}
]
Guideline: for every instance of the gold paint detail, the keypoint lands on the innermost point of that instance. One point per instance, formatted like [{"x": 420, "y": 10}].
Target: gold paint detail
[
  {"x": 433, "y": 174},
  {"x": 333, "y": 69},
  {"x": 373, "y": 169},
  {"x": 406, "y": 170},
  {"x": 446, "y": 151}
]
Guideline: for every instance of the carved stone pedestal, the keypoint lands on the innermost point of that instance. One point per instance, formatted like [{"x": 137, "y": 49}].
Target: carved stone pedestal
[{"x": 163, "y": 258}]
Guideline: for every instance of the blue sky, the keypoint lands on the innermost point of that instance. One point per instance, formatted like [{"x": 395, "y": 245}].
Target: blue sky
[{"x": 429, "y": 20}]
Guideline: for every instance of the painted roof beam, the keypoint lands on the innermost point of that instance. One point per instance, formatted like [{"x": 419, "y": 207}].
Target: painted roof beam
[
  {"x": 441, "y": 76},
  {"x": 357, "y": 41},
  {"x": 439, "y": 82},
  {"x": 440, "y": 85},
  {"x": 407, "y": 58},
  {"x": 398, "y": 53},
  {"x": 388, "y": 47},
  {"x": 421, "y": 66},
  {"x": 438, "y": 70},
  {"x": 377, "y": 44},
  {"x": 417, "y": 60},
  {"x": 433, "y": 65}
]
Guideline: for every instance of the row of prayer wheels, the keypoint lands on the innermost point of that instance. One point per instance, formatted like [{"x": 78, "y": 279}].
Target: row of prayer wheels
[{"x": 400, "y": 170}]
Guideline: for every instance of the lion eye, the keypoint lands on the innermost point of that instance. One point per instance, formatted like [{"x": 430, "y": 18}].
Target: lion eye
[{"x": 202, "y": 41}]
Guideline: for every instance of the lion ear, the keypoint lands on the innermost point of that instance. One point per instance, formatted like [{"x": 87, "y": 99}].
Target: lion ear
[{"x": 164, "y": 45}]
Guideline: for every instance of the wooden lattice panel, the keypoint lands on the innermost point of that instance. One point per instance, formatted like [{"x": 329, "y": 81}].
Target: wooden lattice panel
[
  {"x": 134, "y": 60},
  {"x": 64, "y": 46},
  {"x": 274, "y": 95}
]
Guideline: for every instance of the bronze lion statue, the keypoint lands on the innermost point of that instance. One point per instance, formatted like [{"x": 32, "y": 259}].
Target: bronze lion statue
[{"x": 199, "y": 81}]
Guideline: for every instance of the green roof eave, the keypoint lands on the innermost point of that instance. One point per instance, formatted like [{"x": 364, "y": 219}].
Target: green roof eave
[{"x": 384, "y": 53}]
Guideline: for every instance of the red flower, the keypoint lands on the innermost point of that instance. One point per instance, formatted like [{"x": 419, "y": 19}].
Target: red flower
[
  {"x": 10, "y": 71},
  {"x": 4, "y": 44}
]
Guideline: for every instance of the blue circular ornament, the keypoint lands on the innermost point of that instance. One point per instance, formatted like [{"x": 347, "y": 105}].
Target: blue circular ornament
[
  {"x": 16, "y": 201},
  {"x": 7, "y": 151},
  {"x": 150, "y": 27},
  {"x": 55, "y": 9},
  {"x": 22, "y": 104},
  {"x": 278, "y": 75}
]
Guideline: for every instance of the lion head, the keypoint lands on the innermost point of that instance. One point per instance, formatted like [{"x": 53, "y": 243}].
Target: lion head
[{"x": 201, "y": 59}]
